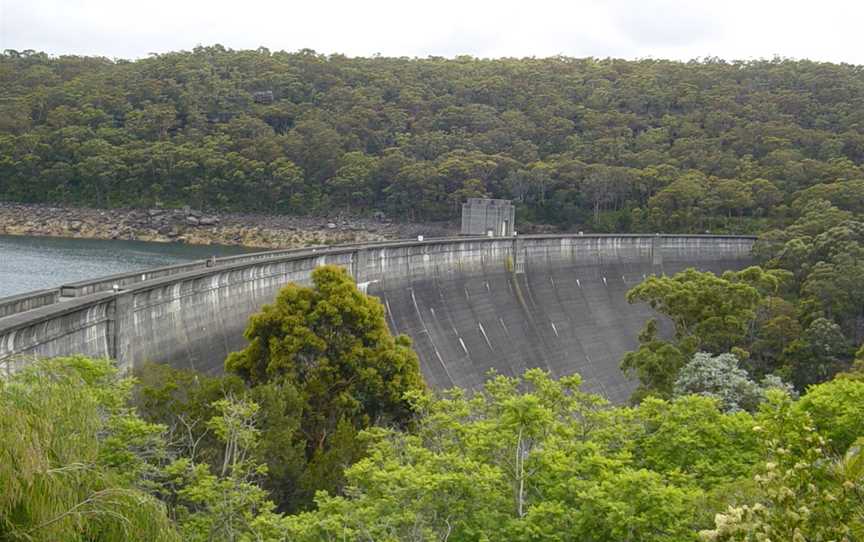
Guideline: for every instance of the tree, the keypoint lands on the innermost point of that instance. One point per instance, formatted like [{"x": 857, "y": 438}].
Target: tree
[
  {"x": 513, "y": 462},
  {"x": 351, "y": 184},
  {"x": 286, "y": 190},
  {"x": 720, "y": 377},
  {"x": 694, "y": 438},
  {"x": 837, "y": 411},
  {"x": 77, "y": 464},
  {"x": 228, "y": 505},
  {"x": 536, "y": 459},
  {"x": 766, "y": 195},
  {"x": 803, "y": 496},
  {"x": 655, "y": 364},
  {"x": 731, "y": 197},
  {"x": 776, "y": 328},
  {"x": 331, "y": 343},
  {"x": 818, "y": 354},
  {"x": 648, "y": 138},
  {"x": 316, "y": 147},
  {"x": 678, "y": 205},
  {"x": 709, "y": 312},
  {"x": 838, "y": 288}
]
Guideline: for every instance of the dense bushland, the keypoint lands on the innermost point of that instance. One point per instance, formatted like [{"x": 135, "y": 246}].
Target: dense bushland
[{"x": 609, "y": 145}]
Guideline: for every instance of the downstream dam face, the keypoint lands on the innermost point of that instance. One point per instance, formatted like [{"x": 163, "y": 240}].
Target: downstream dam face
[{"x": 470, "y": 305}]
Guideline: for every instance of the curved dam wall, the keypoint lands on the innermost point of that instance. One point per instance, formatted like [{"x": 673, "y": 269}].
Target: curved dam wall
[{"x": 471, "y": 305}]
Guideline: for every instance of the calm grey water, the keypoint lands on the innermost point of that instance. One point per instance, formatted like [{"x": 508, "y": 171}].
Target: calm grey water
[{"x": 32, "y": 263}]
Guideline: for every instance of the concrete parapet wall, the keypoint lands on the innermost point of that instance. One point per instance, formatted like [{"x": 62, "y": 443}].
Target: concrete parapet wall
[
  {"x": 471, "y": 305},
  {"x": 80, "y": 326},
  {"x": 29, "y": 301}
]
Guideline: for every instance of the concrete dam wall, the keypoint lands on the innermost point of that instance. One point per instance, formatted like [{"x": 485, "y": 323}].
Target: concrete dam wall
[{"x": 471, "y": 305}]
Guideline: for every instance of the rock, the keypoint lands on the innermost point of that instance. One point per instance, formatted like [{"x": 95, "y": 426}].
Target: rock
[
  {"x": 208, "y": 221},
  {"x": 331, "y": 226},
  {"x": 75, "y": 225},
  {"x": 191, "y": 220}
]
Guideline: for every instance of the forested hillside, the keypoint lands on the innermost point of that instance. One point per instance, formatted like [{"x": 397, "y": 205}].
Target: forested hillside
[{"x": 607, "y": 145}]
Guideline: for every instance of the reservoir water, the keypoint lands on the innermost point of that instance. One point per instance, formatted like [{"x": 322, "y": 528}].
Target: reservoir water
[{"x": 33, "y": 263}]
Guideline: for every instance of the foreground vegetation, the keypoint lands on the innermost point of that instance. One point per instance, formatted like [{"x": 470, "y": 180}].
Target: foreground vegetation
[
  {"x": 323, "y": 430},
  {"x": 529, "y": 459},
  {"x": 608, "y": 145}
]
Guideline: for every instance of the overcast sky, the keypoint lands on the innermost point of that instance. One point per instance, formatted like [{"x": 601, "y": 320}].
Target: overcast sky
[{"x": 731, "y": 29}]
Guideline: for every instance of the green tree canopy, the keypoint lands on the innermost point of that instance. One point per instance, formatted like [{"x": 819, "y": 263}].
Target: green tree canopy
[
  {"x": 75, "y": 463},
  {"x": 598, "y": 144},
  {"x": 329, "y": 344},
  {"x": 709, "y": 312}
]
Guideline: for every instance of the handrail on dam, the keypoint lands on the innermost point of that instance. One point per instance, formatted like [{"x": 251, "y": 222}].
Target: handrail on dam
[{"x": 193, "y": 314}]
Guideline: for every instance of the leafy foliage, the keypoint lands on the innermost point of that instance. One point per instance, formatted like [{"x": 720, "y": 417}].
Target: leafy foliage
[
  {"x": 834, "y": 409},
  {"x": 804, "y": 496},
  {"x": 523, "y": 459},
  {"x": 539, "y": 460},
  {"x": 741, "y": 314},
  {"x": 321, "y": 365},
  {"x": 721, "y": 377},
  {"x": 610, "y": 145},
  {"x": 228, "y": 505},
  {"x": 502, "y": 465},
  {"x": 75, "y": 463},
  {"x": 709, "y": 312},
  {"x": 331, "y": 344}
]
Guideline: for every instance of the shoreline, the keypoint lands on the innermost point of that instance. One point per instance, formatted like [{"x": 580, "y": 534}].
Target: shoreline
[{"x": 194, "y": 227}]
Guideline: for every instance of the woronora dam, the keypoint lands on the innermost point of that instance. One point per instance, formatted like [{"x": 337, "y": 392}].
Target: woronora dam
[{"x": 470, "y": 304}]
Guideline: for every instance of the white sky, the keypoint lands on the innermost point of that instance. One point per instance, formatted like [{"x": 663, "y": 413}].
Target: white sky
[{"x": 731, "y": 29}]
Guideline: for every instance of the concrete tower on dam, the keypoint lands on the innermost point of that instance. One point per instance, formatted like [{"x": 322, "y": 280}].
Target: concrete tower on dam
[
  {"x": 490, "y": 217},
  {"x": 471, "y": 304}
]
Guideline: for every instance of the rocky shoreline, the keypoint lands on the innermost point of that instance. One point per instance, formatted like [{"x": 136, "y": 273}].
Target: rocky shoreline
[{"x": 196, "y": 227}]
